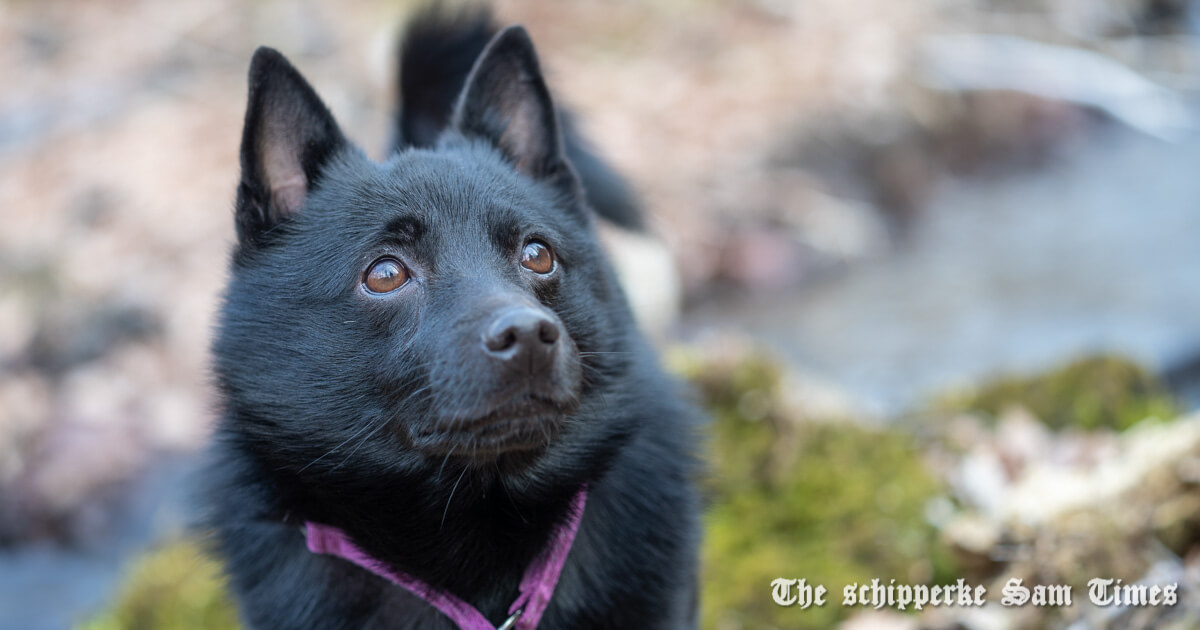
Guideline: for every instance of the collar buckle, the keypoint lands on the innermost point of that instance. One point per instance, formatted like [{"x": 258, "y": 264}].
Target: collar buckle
[{"x": 511, "y": 622}]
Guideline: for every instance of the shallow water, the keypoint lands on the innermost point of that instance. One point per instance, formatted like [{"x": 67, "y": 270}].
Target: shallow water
[
  {"x": 49, "y": 587},
  {"x": 1098, "y": 251}
]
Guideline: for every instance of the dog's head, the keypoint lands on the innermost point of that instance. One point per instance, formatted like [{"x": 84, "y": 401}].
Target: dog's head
[{"x": 449, "y": 303}]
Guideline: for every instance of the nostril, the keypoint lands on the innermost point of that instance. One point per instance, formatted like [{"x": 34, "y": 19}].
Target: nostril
[
  {"x": 547, "y": 332},
  {"x": 503, "y": 340}
]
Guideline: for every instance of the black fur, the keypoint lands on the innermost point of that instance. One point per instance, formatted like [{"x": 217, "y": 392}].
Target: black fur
[
  {"x": 386, "y": 416},
  {"x": 437, "y": 51}
]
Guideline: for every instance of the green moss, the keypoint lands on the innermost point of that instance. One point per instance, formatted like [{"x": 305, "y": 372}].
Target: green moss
[
  {"x": 1101, "y": 392},
  {"x": 832, "y": 503},
  {"x": 175, "y": 587}
]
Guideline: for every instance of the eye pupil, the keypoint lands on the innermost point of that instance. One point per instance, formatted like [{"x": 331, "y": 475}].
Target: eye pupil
[
  {"x": 385, "y": 276},
  {"x": 537, "y": 257}
]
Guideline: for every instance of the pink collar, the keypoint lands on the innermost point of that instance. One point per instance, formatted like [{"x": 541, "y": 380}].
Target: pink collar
[{"x": 537, "y": 585}]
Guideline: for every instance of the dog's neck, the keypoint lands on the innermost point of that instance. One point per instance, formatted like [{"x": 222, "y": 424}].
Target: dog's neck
[
  {"x": 474, "y": 538},
  {"x": 537, "y": 585},
  {"x": 464, "y": 528}
]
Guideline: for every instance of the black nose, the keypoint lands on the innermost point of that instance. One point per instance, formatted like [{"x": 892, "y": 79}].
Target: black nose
[{"x": 524, "y": 338}]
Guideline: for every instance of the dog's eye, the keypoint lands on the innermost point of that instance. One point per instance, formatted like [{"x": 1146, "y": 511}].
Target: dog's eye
[
  {"x": 385, "y": 275},
  {"x": 537, "y": 257}
]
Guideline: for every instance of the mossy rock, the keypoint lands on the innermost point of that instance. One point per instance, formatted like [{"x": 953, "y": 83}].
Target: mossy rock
[
  {"x": 176, "y": 587},
  {"x": 833, "y": 503},
  {"x": 1100, "y": 392}
]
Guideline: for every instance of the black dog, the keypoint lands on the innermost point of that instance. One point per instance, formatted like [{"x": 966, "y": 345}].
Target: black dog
[{"x": 429, "y": 362}]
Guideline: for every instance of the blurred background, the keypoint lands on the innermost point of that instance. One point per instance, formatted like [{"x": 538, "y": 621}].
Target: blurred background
[{"x": 936, "y": 273}]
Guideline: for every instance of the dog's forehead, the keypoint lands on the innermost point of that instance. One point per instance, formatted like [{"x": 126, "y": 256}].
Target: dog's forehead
[
  {"x": 443, "y": 202},
  {"x": 415, "y": 198},
  {"x": 453, "y": 189}
]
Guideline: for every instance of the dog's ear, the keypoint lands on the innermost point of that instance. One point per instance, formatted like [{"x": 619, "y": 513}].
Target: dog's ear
[
  {"x": 505, "y": 101},
  {"x": 288, "y": 139}
]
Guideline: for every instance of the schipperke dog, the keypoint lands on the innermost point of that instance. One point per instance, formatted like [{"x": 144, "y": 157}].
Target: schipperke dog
[{"x": 437, "y": 410}]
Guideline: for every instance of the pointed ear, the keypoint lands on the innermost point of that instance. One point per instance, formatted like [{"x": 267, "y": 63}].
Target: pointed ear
[
  {"x": 505, "y": 101},
  {"x": 288, "y": 138}
]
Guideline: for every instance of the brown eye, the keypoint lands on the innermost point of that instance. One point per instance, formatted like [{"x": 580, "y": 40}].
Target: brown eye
[
  {"x": 385, "y": 275},
  {"x": 537, "y": 257}
]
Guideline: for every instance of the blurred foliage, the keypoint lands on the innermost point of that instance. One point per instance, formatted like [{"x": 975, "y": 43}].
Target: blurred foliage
[
  {"x": 1100, "y": 392},
  {"x": 834, "y": 503},
  {"x": 176, "y": 587}
]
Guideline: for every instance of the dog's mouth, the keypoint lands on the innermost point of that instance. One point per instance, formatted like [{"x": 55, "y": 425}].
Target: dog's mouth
[{"x": 525, "y": 423}]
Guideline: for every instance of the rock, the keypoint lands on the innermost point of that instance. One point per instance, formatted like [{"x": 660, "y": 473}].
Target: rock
[{"x": 647, "y": 272}]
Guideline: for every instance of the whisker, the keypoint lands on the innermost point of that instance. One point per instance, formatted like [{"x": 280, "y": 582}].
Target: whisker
[
  {"x": 332, "y": 450},
  {"x": 443, "y": 466},
  {"x": 365, "y": 427},
  {"x": 386, "y": 421},
  {"x": 511, "y": 500},
  {"x": 451, "y": 497}
]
